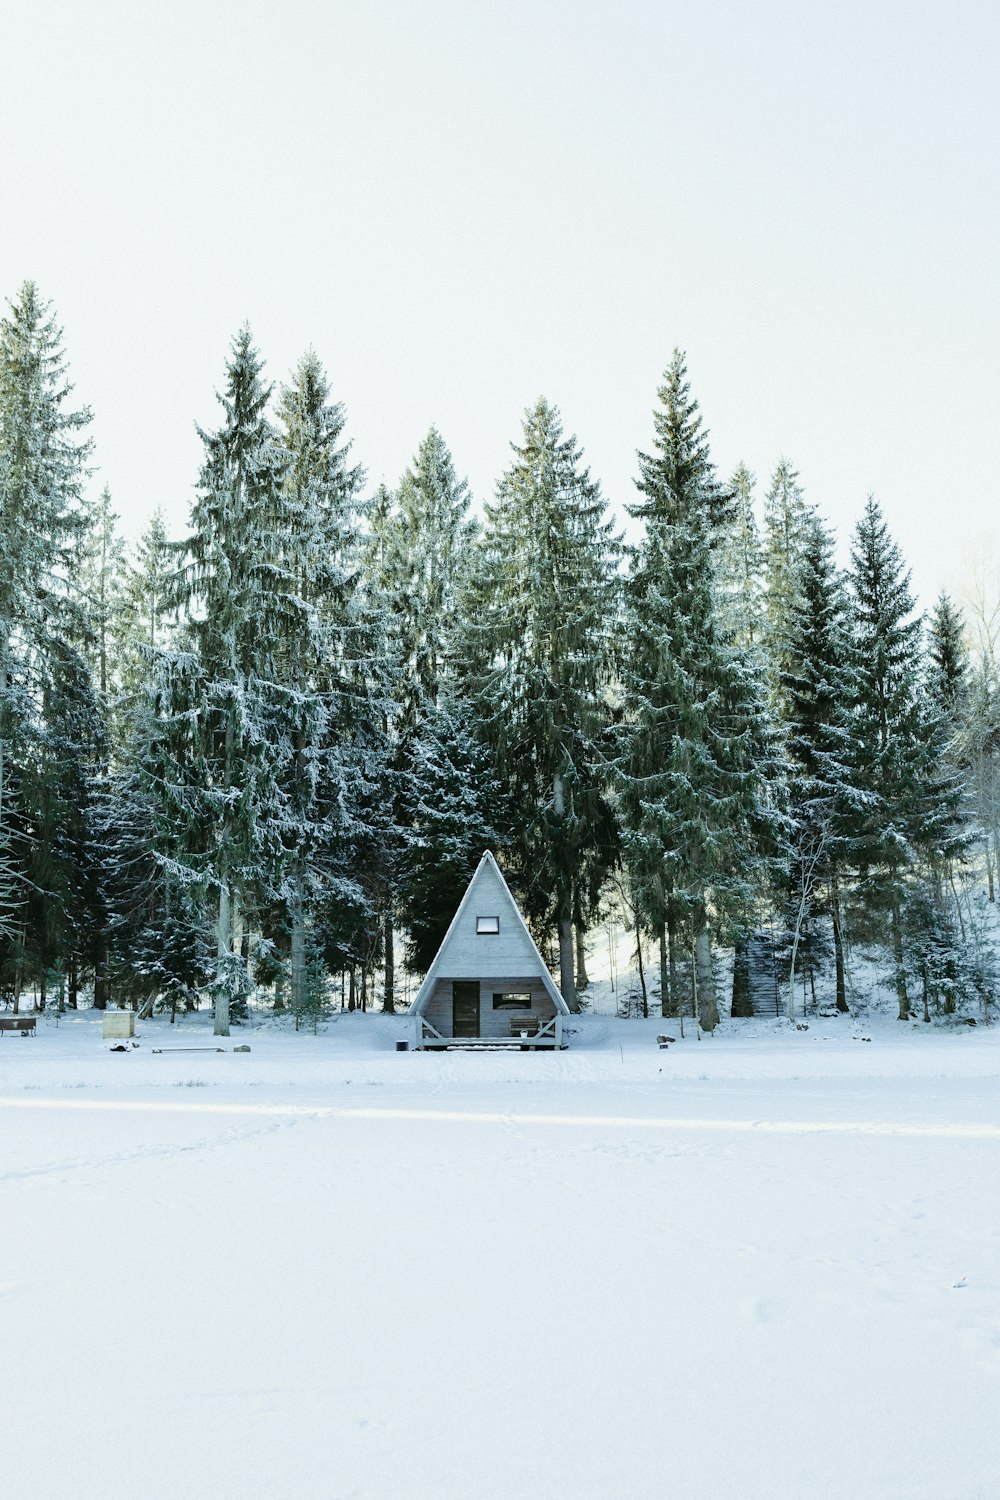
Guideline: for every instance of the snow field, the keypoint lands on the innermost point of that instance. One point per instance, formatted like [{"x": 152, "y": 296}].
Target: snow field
[{"x": 502, "y": 1277}]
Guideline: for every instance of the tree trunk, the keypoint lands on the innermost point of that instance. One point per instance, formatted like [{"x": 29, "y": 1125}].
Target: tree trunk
[
  {"x": 676, "y": 985},
  {"x": 566, "y": 982},
  {"x": 642, "y": 972},
  {"x": 352, "y": 1002},
  {"x": 838, "y": 942},
  {"x": 582, "y": 980},
  {"x": 389, "y": 993},
  {"x": 74, "y": 983},
  {"x": 101, "y": 973},
  {"x": 664, "y": 972},
  {"x": 297, "y": 976},
  {"x": 897, "y": 953},
  {"x": 742, "y": 1002},
  {"x": 708, "y": 1007},
  {"x": 224, "y": 941}
]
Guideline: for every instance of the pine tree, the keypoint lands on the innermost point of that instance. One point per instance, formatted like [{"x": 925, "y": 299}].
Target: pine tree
[
  {"x": 455, "y": 811},
  {"x": 817, "y": 688},
  {"x": 43, "y": 465},
  {"x": 692, "y": 750},
  {"x": 324, "y": 684},
  {"x": 543, "y": 610},
  {"x": 910, "y": 805},
  {"x": 949, "y": 660},
  {"x": 224, "y": 791},
  {"x": 431, "y": 539},
  {"x": 740, "y": 566},
  {"x": 146, "y": 613},
  {"x": 786, "y": 528},
  {"x": 420, "y": 554}
]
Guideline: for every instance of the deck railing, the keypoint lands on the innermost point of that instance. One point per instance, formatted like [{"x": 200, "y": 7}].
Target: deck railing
[{"x": 549, "y": 1034}]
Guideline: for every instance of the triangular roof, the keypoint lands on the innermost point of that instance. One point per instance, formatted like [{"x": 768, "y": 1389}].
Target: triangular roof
[{"x": 488, "y": 883}]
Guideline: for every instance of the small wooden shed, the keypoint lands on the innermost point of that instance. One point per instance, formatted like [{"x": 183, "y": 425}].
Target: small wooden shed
[{"x": 488, "y": 984}]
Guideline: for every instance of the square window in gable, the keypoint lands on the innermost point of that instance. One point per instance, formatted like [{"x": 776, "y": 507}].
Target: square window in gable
[{"x": 488, "y": 925}]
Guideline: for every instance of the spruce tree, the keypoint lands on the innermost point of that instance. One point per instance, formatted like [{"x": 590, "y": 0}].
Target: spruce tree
[
  {"x": 543, "y": 610},
  {"x": 322, "y": 692},
  {"x": 420, "y": 550},
  {"x": 690, "y": 769},
  {"x": 817, "y": 688},
  {"x": 426, "y": 573},
  {"x": 741, "y": 566},
  {"x": 45, "y": 695},
  {"x": 909, "y": 810},
  {"x": 224, "y": 785},
  {"x": 948, "y": 676},
  {"x": 786, "y": 529},
  {"x": 455, "y": 810}
]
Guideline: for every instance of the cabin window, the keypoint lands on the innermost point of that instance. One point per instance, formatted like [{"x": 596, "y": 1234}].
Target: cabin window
[
  {"x": 488, "y": 925},
  {"x": 512, "y": 1000}
]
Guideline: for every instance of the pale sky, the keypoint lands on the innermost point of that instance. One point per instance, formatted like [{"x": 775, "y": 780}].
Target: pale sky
[{"x": 462, "y": 206}]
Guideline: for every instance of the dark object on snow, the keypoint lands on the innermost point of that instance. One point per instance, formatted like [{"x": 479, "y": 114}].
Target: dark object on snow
[
  {"x": 664, "y": 1041},
  {"x": 242, "y": 1048},
  {"x": 402, "y": 1045},
  {"x": 190, "y": 1049},
  {"x": 24, "y": 1024}
]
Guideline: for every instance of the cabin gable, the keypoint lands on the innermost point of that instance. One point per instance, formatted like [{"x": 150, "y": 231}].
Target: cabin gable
[{"x": 488, "y": 980}]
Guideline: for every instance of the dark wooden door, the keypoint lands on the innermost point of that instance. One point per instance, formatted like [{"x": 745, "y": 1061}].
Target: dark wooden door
[{"x": 465, "y": 1007}]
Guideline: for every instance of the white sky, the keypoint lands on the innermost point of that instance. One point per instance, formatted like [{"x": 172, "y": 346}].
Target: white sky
[{"x": 463, "y": 205}]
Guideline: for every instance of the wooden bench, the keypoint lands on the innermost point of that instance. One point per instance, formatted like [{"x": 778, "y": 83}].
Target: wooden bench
[
  {"x": 532, "y": 1024},
  {"x": 24, "y": 1024}
]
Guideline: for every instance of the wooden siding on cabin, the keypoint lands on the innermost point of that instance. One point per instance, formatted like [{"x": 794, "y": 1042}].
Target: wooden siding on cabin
[
  {"x": 438, "y": 1009},
  {"x": 469, "y": 954}
]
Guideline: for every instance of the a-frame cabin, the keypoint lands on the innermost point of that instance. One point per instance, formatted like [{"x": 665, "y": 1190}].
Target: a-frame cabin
[{"x": 488, "y": 984}]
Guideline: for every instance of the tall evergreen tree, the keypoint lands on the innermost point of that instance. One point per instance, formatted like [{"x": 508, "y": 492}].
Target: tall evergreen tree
[
  {"x": 322, "y": 704},
  {"x": 693, "y": 748},
  {"x": 786, "y": 529},
  {"x": 817, "y": 688},
  {"x": 909, "y": 809},
  {"x": 44, "y": 689},
  {"x": 543, "y": 612},
  {"x": 223, "y": 782},
  {"x": 420, "y": 551},
  {"x": 948, "y": 659},
  {"x": 455, "y": 811},
  {"x": 741, "y": 566},
  {"x": 431, "y": 539}
]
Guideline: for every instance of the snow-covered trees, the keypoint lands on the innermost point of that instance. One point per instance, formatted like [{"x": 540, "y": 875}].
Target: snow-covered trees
[
  {"x": 817, "y": 688},
  {"x": 907, "y": 811},
  {"x": 691, "y": 767},
  {"x": 48, "y": 720},
  {"x": 224, "y": 783},
  {"x": 322, "y": 704},
  {"x": 244, "y": 760},
  {"x": 539, "y": 634}
]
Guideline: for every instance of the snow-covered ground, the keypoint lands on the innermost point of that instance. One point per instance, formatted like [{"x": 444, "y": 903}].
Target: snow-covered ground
[{"x": 762, "y": 1264}]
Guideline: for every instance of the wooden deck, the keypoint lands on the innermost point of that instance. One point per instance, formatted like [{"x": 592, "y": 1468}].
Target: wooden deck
[{"x": 547, "y": 1038}]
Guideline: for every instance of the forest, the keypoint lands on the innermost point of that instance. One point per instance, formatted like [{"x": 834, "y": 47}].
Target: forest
[{"x": 264, "y": 758}]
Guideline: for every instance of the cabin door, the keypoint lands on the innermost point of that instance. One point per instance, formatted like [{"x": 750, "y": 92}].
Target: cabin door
[{"x": 465, "y": 1007}]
